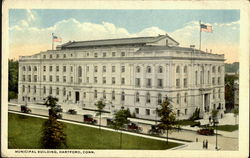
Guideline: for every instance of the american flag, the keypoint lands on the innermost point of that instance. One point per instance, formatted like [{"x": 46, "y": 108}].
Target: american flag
[
  {"x": 206, "y": 28},
  {"x": 56, "y": 39}
]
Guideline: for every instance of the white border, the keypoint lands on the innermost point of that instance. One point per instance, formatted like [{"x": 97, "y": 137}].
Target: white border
[{"x": 78, "y": 4}]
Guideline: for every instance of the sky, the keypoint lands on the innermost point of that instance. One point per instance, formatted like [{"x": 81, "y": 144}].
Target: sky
[{"x": 30, "y": 30}]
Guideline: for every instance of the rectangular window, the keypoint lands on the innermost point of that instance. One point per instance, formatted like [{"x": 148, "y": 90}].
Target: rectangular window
[
  {"x": 137, "y": 110},
  {"x": 149, "y": 84},
  {"x": 96, "y": 69},
  {"x": 104, "y": 80},
  {"x": 84, "y": 94},
  {"x": 113, "y": 68},
  {"x": 57, "y": 68},
  {"x": 50, "y": 56},
  {"x": 87, "y": 79},
  {"x": 185, "y": 111},
  {"x": 87, "y": 68},
  {"x": 44, "y": 56},
  {"x": 178, "y": 83},
  {"x": 122, "y": 80},
  {"x": 185, "y": 83},
  {"x": 35, "y": 78},
  {"x": 218, "y": 80},
  {"x": 64, "y": 68},
  {"x": 71, "y": 79},
  {"x": 50, "y": 68},
  {"x": 113, "y": 80},
  {"x": 123, "y": 69},
  {"x": 96, "y": 55},
  {"x": 123, "y": 54},
  {"x": 57, "y": 78},
  {"x": 23, "y": 77},
  {"x": 57, "y": 56},
  {"x": 104, "y": 54},
  {"x": 44, "y": 78},
  {"x": 147, "y": 112},
  {"x": 64, "y": 78},
  {"x": 29, "y": 78},
  {"x": 95, "y": 79},
  {"x": 138, "y": 82},
  {"x": 64, "y": 55},
  {"x": 113, "y": 95},
  {"x": 213, "y": 80},
  {"x": 50, "y": 78},
  {"x": 159, "y": 83},
  {"x": 113, "y": 54},
  {"x": 71, "y": 68},
  {"x": 103, "y": 68},
  {"x": 178, "y": 113},
  {"x": 44, "y": 68}
]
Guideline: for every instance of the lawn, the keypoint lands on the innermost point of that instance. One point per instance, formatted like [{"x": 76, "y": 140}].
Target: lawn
[
  {"x": 24, "y": 132},
  {"x": 228, "y": 128}
]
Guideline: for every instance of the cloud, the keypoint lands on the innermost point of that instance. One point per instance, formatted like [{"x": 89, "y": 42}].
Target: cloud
[{"x": 25, "y": 38}]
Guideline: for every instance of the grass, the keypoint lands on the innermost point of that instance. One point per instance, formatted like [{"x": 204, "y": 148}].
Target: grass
[
  {"x": 24, "y": 132},
  {"x": 228, "y": 128}
]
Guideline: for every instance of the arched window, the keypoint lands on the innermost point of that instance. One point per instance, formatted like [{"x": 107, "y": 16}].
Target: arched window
[
  {"x": 160, "y": 70},
  {"x": 122, "y": 96},
  {"x": 178, "y": 69},
  {"x": 148, "y": 69},
  {"x": 159, "y": 98},
  {"x": 213, "y": 69},
  {"x": 137, "y": 97},
  {"x": 148, "y": 98},
  {"x": 79, "y": 71},
  {"x": 185, "y": 69},
  {"x": 178, "y": 98},
  {"x": 138, "y": 69},
  {"x": 35, "y": 68}
]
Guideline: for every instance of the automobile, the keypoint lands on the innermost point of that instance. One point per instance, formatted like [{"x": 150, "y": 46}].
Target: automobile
[
  {"x": 72, "y": 111},
  {"x": 134, "y": 127},
  {"x": 155, "y": 130},
  {"x": 25, "y": 109},
  {"x": 89, "y": 119}
]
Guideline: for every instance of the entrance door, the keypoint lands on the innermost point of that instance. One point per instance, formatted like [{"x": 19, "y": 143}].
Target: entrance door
[{"x": 77, "y": 97}]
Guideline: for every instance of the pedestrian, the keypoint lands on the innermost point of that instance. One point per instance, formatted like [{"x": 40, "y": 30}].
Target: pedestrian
[
  {"x": 206, "y": 144},
  {"x": 203, "y": 144}
]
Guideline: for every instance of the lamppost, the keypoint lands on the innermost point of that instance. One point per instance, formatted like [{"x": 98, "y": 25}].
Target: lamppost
[{"x": 215, "y": 122}]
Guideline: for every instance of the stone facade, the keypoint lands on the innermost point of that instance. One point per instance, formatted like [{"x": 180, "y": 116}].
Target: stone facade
[{"x": 137, "y": 75}]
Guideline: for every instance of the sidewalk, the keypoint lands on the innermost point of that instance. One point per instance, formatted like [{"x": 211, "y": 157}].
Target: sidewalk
[{"x": 195, "y": 146}]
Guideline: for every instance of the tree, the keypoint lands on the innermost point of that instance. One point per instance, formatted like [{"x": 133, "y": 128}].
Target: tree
[
  {"x": 167, "y": 117},
  {"x": 236, "y": 113},
  {"x": 100, "y": 105},
  {"x": 13, "y": 79},
  {"x": 121, "y": 118},
  {"x": 229, "y": 91},
  {"x": 53, "y": 130}
]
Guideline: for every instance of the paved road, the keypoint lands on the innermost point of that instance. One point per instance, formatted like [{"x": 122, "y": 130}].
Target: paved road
[{"x": 224, "y": 143}]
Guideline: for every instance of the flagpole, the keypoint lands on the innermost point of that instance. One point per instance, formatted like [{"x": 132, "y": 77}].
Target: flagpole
[
  {"x": 200, "y": 35},
  {"x": 52, "y": 41}
]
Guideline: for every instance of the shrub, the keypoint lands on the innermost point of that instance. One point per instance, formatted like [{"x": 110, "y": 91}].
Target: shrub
[{"x": 196, "y": 115}]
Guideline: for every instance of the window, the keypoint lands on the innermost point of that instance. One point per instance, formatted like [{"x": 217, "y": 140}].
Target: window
[
  {"x": 122, "y": 80},
  {"x": 29, "y": 68},
  {"x": 148, "y": 69},
  {"x": 104, "y": 94},
  {"x": 24, "y": 69},
  {"x": 71, "y": 68},
  {"x": 35, "y": 68},
  {"x": 113, "y": 54},
  {"x": 87, "y": 54},
  {"x": 29, "y": 78},
  {"x": 113, "y": 68},
  {"x": 71, "y": 79},
  {"x": 84, "y": 94},
  {"x": 213, "y": 80},
  {"x": 219, "y": 69},
  {"x": 64, "y": 55},
  {"x": 219, "y": 93},
  {"x": 95, "y": 79},
  {"x": 137, "y": 97},
  {"x": 185, "y": 98},
  {"x": 148, "y": 98},
  {"x": 178, "y": 98},
  {"x": 96, "y": 55},
  {"x": 69, "y": 93},
  {"x": 23, "y": 88},
  {"x": 64, "y": 79},
  {"x": 113, "y": 80},
  {"x": 218, "y": 80},
  {"x": 104, "y": 80},
  {"x": 44, "y": 68},
  {"x": 57, "y": 68},
  {"x": 113, "y": 95},
  {"x": 178, "y": 113},
  {"x": 178, "y": 83},
  {"x": 208, "y": 77},
  {"x": 213, "y": 69},
  {"x": 104, "y": 54},
  {"x": 96, "y": 69},
  {"x": 23, "y": 77},
  {"x": 122, "y": 96},
  {"x": 213, "y": 93},
  {"x": 159, "y": 98},
  {"x": 196, "y": 77},
  {"x": 147, "y": 112},
  {"x": 185, "y": 111},
  {"x": 50, "y": 68},
  {"x": 87, "y": 68},
  {"x": 44, "y": 78},
  {"x": 123, "y": 54},
  {"x": 79, "y": 71},
  {"x": 185, "y": 69},
  {"x": 57, "y": 78},
  {"x": 185, "y": 82},
  {"x": 50, "y": 78},
  {"x": 138, "y": 82},
  {"x": 87, "y": 79},
  {"x": 178, "y": 69},
  {"x": 138, "y": 69},
  {"x": 50, "y": 56},
  {"x": 64, "y": 68},
  {"x": 35, "y": 78},
  {"x": 44, "y": 90},
  {"x": 103, "y": 68},
  {"x": 159, "y": 83},
  {"x": 148, "y": 83},
  {"x": 50, "y": 90},
  {"x": 57, "y": 91},
  {"x": 57, "y": 55},
  {"x": 137, "y": 110},
  {"x": 160, "y": 70},
  {"x": 44, "y": 56},
  {"x": 95, "y": 94},
  {"x": 64, "y": 91},
  {"x": 123, "y": 69}
]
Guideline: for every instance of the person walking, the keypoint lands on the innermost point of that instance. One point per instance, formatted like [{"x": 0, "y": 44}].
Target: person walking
[
  {"x": 203, "y": 144},
  {"x": 206, "y": 144}
]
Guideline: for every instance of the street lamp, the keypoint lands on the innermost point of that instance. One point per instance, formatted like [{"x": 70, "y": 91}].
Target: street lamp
[{"x": 215, "y": 122}]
